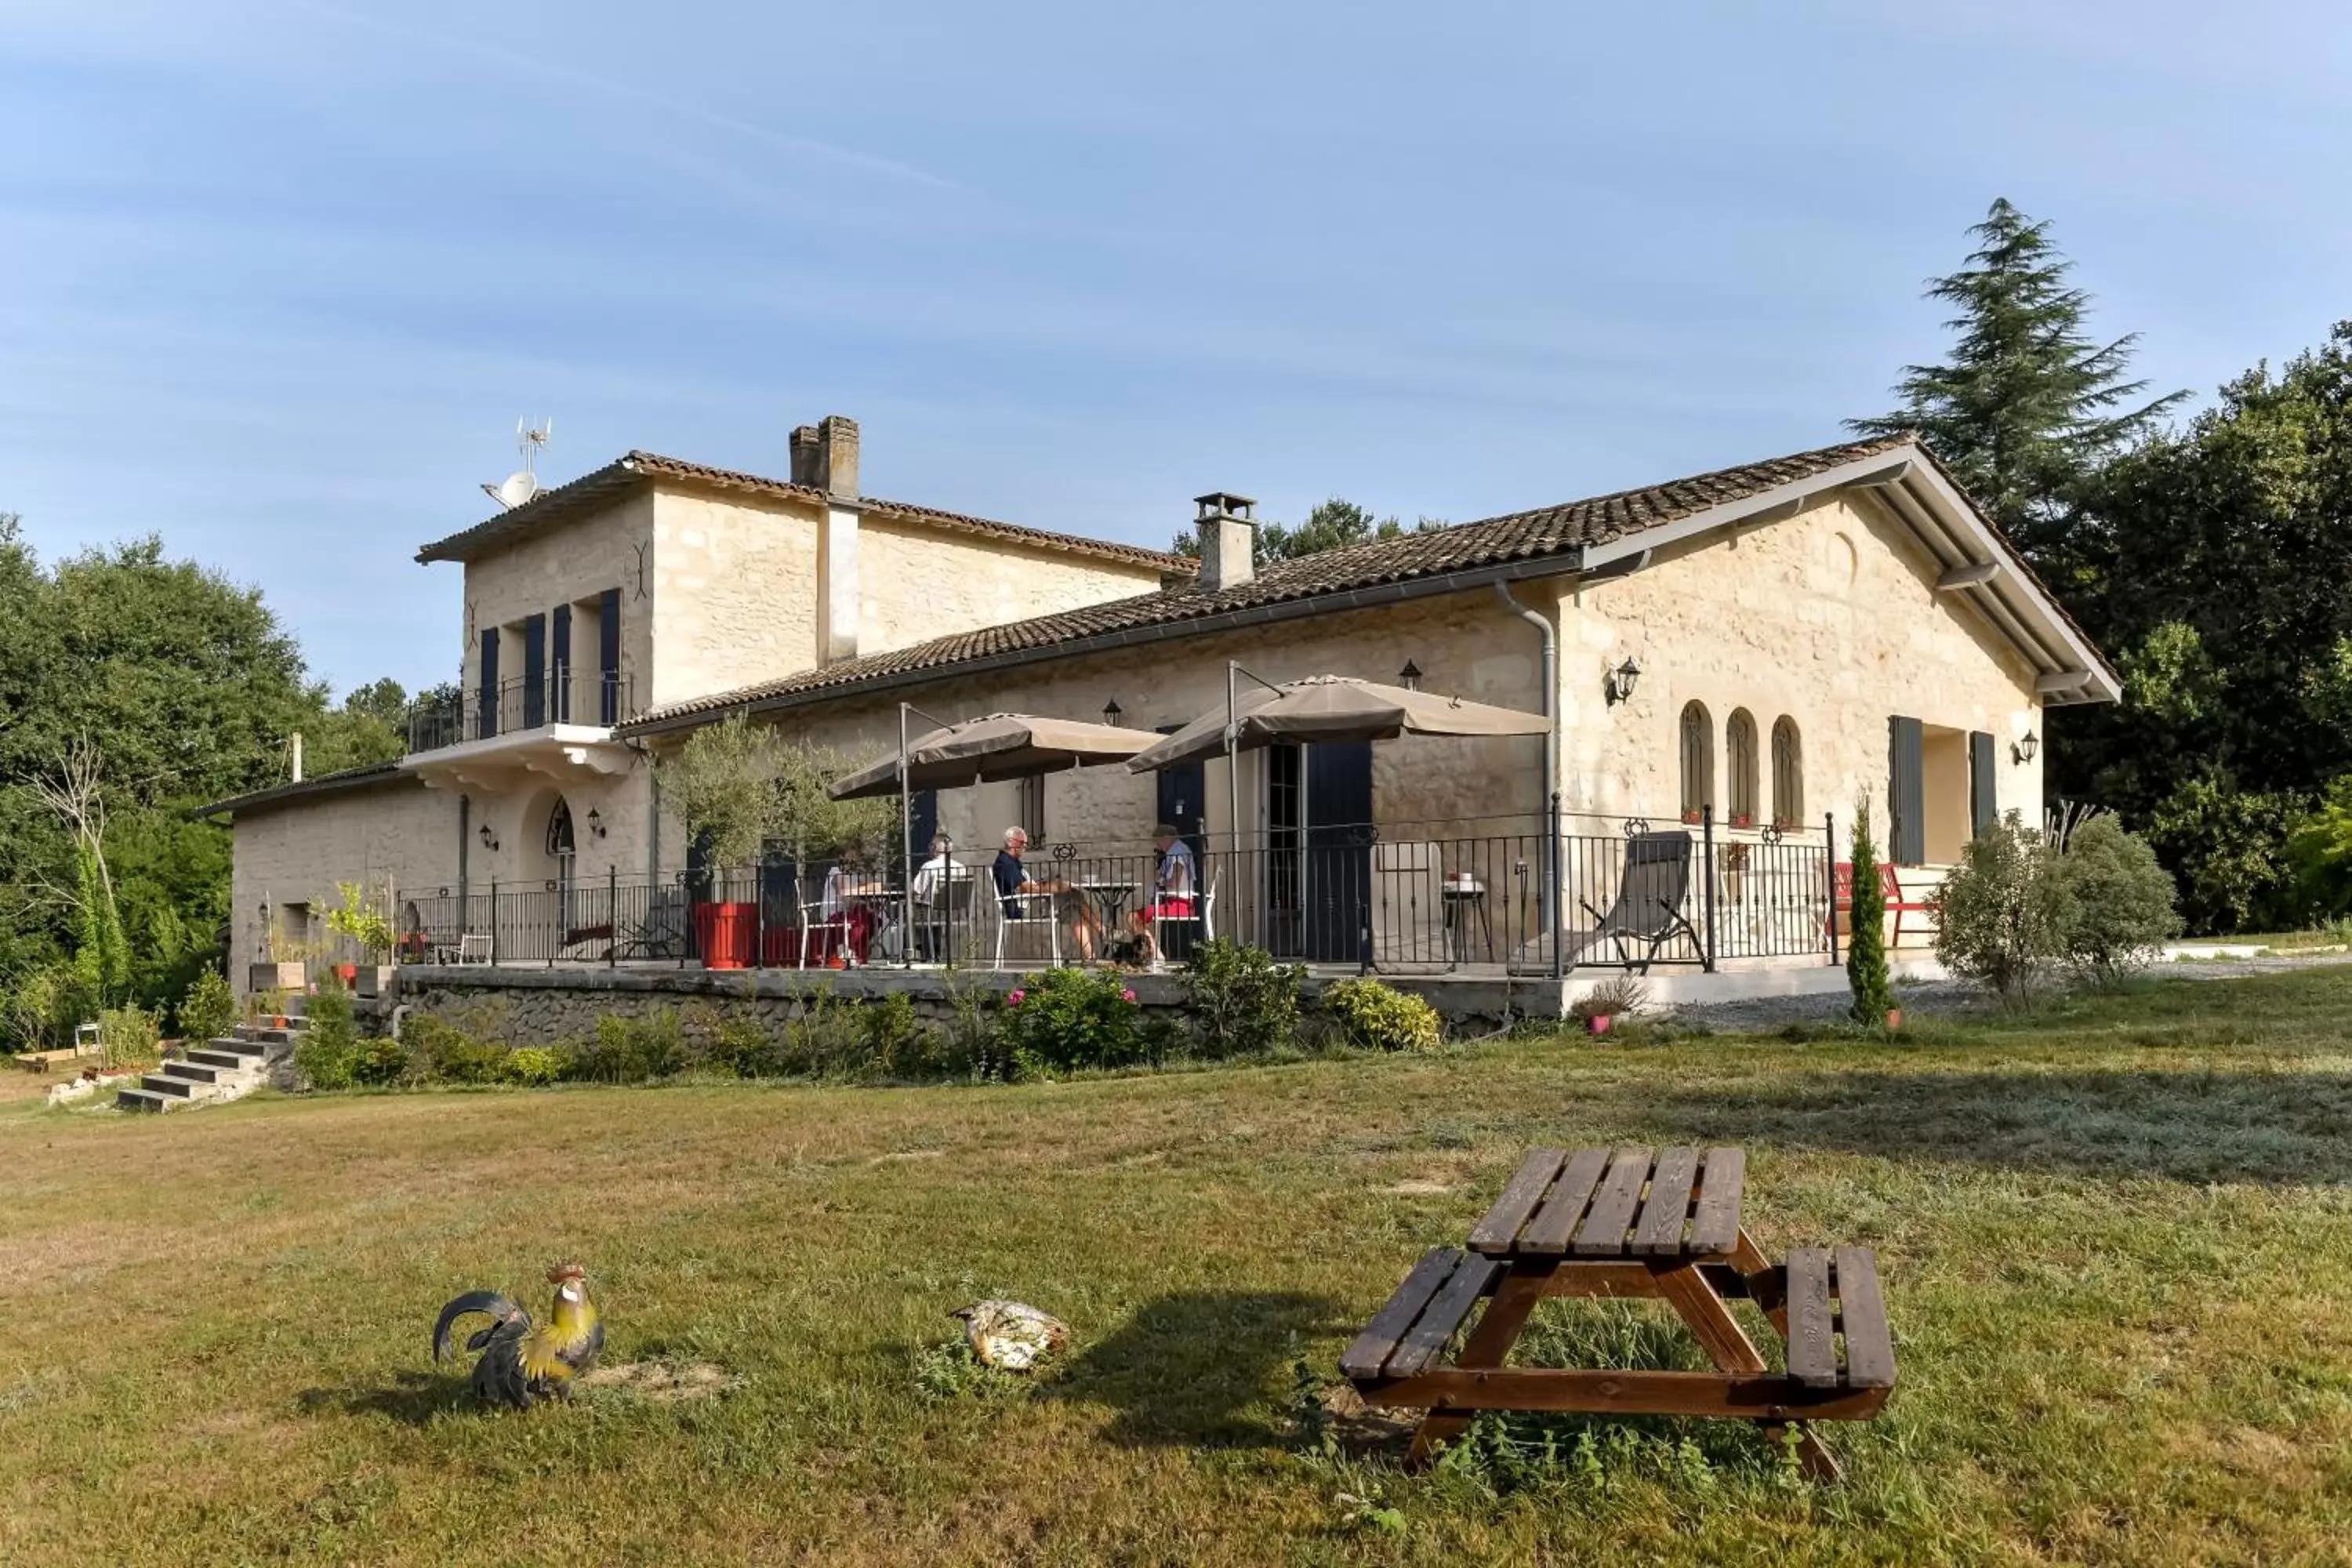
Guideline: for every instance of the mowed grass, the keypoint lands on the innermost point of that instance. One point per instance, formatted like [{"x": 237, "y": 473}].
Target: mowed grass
[{"x": 2117, "y": 1241}]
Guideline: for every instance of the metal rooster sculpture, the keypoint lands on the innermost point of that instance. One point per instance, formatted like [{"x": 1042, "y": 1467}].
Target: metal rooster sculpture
[{"x": 521, "y": 1364}]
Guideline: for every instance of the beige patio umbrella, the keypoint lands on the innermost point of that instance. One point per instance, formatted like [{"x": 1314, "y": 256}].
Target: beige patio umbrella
[
  {"x": 980, "y": 751},
  {"x": 988, "y": 750},
  {"x": 1331, "y": 708}
]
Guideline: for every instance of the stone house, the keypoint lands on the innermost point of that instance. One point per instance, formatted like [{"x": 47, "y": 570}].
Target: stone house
[{"x": 1750, "y": 650}]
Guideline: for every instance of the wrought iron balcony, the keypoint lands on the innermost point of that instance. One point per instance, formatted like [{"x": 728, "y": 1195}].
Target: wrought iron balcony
[{"x": 571, "y": 698}]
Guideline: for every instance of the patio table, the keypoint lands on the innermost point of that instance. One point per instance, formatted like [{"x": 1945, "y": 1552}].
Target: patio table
[
  {"x": 1110, "y": 896},
  {"x": 1634, "y": 1222}
]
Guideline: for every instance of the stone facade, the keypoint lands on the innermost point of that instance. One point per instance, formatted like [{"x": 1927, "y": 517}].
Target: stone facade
[{"x": 396, "y": 834}]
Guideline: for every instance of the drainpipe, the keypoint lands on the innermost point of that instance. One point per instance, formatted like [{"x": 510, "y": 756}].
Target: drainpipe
[{"x": 1548, "y": 690}]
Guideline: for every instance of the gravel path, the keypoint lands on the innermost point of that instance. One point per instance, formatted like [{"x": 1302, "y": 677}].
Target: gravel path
[{"x": 1946, "y": 997}]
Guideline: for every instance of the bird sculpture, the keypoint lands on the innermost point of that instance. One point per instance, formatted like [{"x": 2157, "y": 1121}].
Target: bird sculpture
[
  {"x": 1012, "y": 1335},
  {"x": 521, "y": 1364}
]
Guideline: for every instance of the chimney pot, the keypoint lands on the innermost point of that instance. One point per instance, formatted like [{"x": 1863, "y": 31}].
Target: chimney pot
[
  {"x": 838, "y": 437},
  {"x": 1228, "y": 540},
  {"x": 808, "y": 459}
]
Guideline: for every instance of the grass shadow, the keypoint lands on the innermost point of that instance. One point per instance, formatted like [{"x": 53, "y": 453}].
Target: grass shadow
[
  {"x": 1187, "y": 1369},
  {"x": 414, "y": 1399},
  {"x": 2195, "y": 1124}
]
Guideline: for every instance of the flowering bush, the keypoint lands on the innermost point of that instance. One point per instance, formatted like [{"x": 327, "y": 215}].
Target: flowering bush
[{"x": 1069, "y": 1018}]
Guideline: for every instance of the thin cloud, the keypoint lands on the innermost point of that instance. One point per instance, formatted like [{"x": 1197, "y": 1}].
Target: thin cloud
[{"x": 475, "y": 52}]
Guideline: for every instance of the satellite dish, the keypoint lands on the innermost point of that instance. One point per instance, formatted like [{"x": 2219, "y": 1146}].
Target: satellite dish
[{"x": 518, "y": 488}]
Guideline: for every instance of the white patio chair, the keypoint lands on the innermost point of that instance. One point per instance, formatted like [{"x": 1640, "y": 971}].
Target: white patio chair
[
  {"x": 474, "y": 948},
  {"x": 1026, "y": 917},
  {"x": 1204, "y": 915}
]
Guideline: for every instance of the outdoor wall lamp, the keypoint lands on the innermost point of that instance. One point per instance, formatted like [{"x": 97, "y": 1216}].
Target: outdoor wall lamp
[
  {"x": 2022, "y": 749},
  {"x": 489, "y": 839},
  {"x": 1410, "y": 676},
  {"x": 1111, "y": 712},
  {"x": 1618, "y": 684},
  {"x": 596, "y": 822}
]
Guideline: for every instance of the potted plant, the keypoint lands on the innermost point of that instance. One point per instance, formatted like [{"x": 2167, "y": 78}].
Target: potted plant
[
  {"x": 1693, "y": 817},
  {"x": 1743, "y": 819},
  {"x": 723, "y": 780},
  {"x": 1615, "y": 998},
  {"x": 362, "y": 919}
]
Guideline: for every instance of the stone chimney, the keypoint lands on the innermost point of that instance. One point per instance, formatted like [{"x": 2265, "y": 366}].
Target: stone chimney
[
  {"x": 808, "y": 459},
  {"x": 837, "y": 438},
  {"x": 1228, "y": 540}
]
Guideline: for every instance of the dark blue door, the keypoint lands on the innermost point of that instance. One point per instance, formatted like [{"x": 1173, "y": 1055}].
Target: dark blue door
[
  {"x": 485, "y": 693},
  {"x": 1339, "y": 849},
  {"x": 534, "y": 672},
  {"x": 608, "y": 658},
  {"x": 558, "y": 707}
]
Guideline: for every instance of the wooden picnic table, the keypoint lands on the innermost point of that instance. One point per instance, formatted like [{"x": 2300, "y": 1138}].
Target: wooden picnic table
[{"x": 1663, "y": 1223}]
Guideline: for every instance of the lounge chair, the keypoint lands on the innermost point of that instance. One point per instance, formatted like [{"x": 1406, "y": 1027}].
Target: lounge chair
[{"x": 1648, "y": 910}]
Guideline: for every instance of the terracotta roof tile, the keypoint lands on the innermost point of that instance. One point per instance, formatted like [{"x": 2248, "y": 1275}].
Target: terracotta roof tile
[
  {"x": 616, "y": 479},
  {"x": 1544, "y": 532}
]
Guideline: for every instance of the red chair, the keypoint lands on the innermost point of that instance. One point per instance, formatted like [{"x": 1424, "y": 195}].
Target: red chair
[{"x": 1890, "y": 887}]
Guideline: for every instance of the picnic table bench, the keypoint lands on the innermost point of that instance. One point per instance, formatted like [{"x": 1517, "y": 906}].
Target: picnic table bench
[{"x": 1661, "y": 1223}]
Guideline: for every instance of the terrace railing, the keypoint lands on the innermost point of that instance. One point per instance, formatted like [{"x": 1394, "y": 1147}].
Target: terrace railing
[
  {"x": 520, "y": 704},
  {"x": 1403, "y": 899}
]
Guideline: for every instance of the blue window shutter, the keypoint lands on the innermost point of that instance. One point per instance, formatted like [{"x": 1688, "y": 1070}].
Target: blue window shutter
[
  {"x": 1906, "y": 791},
  {"x": 485, "y": 700},
  {"x": 534, "y": 672},
  {"x": 608, "y": 656}
]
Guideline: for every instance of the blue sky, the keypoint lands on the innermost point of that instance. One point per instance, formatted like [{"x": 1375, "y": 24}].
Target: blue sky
[{"x": 277, "y": 278}]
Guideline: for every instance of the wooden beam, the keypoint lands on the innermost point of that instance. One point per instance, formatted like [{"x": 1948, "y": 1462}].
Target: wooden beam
[
  {"x": 2061, "y": 680},
  {"x": 1762, "y": 1397},
  {"x": 1967, "y": 575}
]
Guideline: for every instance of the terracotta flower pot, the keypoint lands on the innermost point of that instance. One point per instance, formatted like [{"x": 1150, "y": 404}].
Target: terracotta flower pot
[
  {"x": 723, "y": 934},
  {"x": 1894, "y": 1017},
  {"x": 348, "y": 974}
]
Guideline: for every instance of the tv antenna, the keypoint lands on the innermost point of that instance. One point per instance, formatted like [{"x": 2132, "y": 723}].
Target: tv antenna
[{"x": 523, "y": 483}]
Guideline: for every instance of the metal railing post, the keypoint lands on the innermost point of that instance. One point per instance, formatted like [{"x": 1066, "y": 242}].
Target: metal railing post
[
  {"x": 1828, "y": 871},
  {"x": 1706, "y": 826},
  {"x": 759, "y": 915},
  {"x": 494, "y": 922},
  {"x": 612, "y": 916}
]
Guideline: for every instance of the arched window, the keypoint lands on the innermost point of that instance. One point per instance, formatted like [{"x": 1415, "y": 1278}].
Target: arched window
[
  {"x": 1739, "y": 750},
  {"x": 1698, "y": 760},
  {"x": 1788, "y": 772}
]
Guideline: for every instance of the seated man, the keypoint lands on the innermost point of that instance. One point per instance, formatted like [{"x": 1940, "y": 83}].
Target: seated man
[
  {"x": 1172, "y": 883},
  {"x": 933, "y": 903},
  {"x": 1013, "y": 880}
]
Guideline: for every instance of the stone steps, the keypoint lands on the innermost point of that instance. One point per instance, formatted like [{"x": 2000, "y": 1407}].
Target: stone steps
[{"x": 227, "y": 1067}]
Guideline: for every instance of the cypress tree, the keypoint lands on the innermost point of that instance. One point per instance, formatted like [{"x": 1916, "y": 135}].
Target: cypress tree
[
  {"x": 2029, "y": 404},
  {"x": 1865, "y": 954}
]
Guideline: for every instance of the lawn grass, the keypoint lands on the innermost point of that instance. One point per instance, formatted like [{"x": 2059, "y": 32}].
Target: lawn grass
[{"x": 2117, "y": 1241}]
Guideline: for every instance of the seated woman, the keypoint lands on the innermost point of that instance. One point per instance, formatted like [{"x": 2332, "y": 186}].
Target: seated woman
[
  {"x": 847, "y": 902},
  {"x": 1172, "y": 883}
]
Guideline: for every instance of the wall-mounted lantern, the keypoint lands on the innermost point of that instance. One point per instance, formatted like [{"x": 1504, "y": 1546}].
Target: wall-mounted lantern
[
  {"x": 596, "y": 822},
  {"x": 2022, "y": 749},
  {"x": 1111, "y": 712},
  {"x": 489, "y": 839},
  {"x": 1410, "y": 676},
  {"x": 1618, "y": 684}
]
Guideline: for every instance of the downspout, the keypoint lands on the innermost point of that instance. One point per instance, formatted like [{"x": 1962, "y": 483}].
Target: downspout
[{"x": 1548, "y": 690}]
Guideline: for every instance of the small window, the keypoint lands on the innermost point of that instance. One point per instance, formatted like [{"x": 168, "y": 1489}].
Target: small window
[
  {"x": 1739, "y": 749},
  {"x": 1788, "y": 772},
  {"x": 1030, "y": 814},
  {"x": 1698, "y": 760}
]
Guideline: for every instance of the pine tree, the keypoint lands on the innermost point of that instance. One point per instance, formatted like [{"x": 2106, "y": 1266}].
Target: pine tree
[
  {"x": 2027, "y": 408},
  {"x": 1865, "y": 954}
]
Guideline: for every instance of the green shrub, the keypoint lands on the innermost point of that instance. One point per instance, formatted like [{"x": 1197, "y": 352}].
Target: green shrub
[
  {"x": 973, "y": 1043},
  {"x": 630, "y": 1050},
  {"x": 1867, "y": 973},
  {"x": 823, "y": 1038},
  {"x": 1067, "y": 1019},
  {"x": 1378, "y": 1018},
  {"x": 898, "y": 1044},
  {"x": 1242, "y": 1002},
  {"x": 328, "y": 1051},
  {"x": 737, "y": 1044},
  {"x": 381, "y": 1062},
  {"x": 128, "y": 1034},
  {"x": 2121, "y": 902},
  {"x": 208, "y": 1010},
  {"x": 2004, "y": 913},
  {"x": 533, "y": 1065}
]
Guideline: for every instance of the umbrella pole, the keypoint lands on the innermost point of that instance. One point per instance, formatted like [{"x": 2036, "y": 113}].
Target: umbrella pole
[
  {"x": 905, "y": 852},
  {"x": 1233, "y": 772}
]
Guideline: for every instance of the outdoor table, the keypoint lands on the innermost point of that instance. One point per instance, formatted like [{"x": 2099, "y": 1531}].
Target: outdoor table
[
  {"x": 1111, "y": 896},
  {"x": 1464, "y": 893},
  {"x": 1632, "y": 1221}
]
